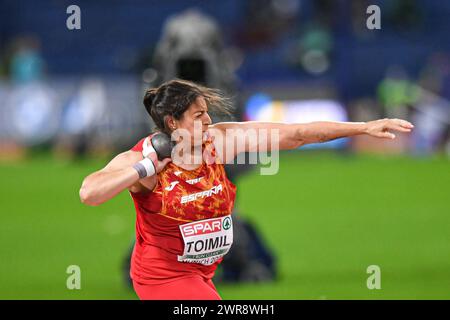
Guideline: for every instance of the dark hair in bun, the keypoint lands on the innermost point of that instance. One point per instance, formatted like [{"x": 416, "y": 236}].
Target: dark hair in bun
[
  {"x": 149, "y": 97},
  {"x": 174, "y": 98}
]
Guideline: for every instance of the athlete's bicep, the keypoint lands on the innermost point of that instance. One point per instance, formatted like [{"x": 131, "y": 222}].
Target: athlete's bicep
[
  {"x": 253, "y": 136},
  {"x": 232, "y": 138}
]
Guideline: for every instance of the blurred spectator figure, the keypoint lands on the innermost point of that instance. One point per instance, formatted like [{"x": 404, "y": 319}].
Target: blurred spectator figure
[
  {"x": 397, "y": 93},
  {"x": 431, "y": 120},
  {"x": 26, "y": 64},
  {"x": 29, "y": 107},
  {"x": 313, "y": 45},
  {"x": 314, "y": 49},
  {"x": 432, "y": 114},
  {"x": 435, "y": 75},
  {"x": 32, "y": 113},
  {"x": 192, "y": 48},
  {"x": 80, "y": 116}
]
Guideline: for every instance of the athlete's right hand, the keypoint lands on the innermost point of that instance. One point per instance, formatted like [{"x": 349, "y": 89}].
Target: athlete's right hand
[{"x": 149, "y": 152}]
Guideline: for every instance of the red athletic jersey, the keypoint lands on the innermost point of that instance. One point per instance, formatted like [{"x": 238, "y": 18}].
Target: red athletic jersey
[{"x": 180, "y": 196}]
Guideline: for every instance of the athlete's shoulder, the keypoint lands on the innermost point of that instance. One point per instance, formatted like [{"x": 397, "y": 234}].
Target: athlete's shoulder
[{"x": 139, "y": 145}]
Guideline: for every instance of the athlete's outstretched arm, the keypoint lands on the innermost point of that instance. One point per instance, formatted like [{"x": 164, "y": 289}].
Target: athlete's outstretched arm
[
  {"x": 291, "y": 136},
  {"x": 322, "y": 131}
]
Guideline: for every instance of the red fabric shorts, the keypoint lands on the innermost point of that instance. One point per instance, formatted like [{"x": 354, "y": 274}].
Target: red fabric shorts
[{"x": 194, "y": 288}]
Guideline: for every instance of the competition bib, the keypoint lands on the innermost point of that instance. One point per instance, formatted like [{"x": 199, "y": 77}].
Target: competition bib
[{"x": 206, "y": 241}]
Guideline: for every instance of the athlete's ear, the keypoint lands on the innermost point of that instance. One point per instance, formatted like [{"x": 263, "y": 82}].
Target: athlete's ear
[{"x": 171, "y": 123}]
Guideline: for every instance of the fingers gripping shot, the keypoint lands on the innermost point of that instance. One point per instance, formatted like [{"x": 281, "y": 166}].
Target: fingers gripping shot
[
  {"x": 159, "y": 144},
  {"x": 183, "y": 206}
]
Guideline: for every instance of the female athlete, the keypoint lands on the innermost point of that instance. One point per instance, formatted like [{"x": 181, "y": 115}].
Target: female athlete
[{"x": 183, "y": 223}]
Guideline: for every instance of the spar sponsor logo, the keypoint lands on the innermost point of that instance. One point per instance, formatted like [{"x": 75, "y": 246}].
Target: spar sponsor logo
[
  {"x": 202, "y": 227},
  {"x": 206, "y": 241},
  {"x": 202, "y": 194}
]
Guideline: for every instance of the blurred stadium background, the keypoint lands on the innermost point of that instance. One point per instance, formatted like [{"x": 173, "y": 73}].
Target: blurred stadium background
[{"x": 70, "y": 99}]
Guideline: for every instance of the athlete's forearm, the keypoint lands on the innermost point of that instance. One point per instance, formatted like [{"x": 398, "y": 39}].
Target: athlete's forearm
[
  {"x": 101, "y": 186},
  {"x": 322, "y": 131}
]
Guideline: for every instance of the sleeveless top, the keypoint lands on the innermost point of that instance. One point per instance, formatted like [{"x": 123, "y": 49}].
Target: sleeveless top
[{"x": 180, "y": 197}]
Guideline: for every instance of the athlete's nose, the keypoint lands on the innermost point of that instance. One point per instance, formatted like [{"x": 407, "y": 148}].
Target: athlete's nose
[{"x": 207, "y": 119}]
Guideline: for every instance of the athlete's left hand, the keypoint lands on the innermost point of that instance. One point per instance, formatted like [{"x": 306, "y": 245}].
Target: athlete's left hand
[{"x": 382, "y": 128}]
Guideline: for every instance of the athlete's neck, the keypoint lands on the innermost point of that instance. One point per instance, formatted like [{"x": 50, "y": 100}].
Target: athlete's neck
[{"x": 189, "y": 160}]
